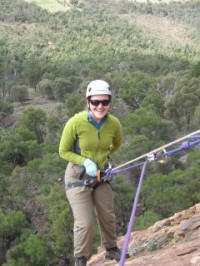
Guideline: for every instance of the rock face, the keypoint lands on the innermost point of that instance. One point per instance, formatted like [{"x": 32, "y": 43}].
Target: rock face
[{"x": 174, "y": 241}]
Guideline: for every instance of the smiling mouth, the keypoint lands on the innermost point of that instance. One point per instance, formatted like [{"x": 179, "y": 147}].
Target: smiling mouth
[{"x": 100, "y": 111}]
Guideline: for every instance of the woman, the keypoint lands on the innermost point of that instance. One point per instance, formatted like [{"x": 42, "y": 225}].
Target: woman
[{"x": 87, "y": 141}]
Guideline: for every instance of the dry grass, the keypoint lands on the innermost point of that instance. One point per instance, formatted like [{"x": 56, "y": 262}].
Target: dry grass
[
  {"x": 50, "y": 107},
  {"x": 51, "y": 5},
  {"x": 165, "y": 29},
  {"x": 54, "y": 6}
]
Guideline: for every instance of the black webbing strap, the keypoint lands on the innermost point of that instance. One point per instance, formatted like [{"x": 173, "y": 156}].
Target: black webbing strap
[
  {"x": 89, "y": 183},
  {"x": 82, "y": 174}
]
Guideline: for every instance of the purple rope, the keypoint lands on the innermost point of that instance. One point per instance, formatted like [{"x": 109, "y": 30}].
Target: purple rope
[
  {"x": 111, "y": 173},
  {"x": 131, "y": 222},
  {"x": 194, "y": 136},
  {"x": 184, "y": 146}
]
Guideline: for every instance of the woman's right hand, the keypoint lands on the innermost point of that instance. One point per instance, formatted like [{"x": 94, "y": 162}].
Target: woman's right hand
[{"x": 90, "y": 167}]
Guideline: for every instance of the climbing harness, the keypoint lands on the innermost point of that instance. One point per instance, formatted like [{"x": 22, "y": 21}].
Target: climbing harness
[
  {"x": 87, "y": 183},
  {"x": 92, "y": 182}
]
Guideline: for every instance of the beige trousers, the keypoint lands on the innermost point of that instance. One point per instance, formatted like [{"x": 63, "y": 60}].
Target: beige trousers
[{"x": 86, "y": 201}]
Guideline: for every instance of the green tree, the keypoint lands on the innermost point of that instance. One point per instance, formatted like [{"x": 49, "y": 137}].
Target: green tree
[
  {"x": 24, "y": 134},
  {"x": 33, "y": 69},
  {"x": 18, "y": 262},
  {"x": 74, "y": 2},
  {"x": 145, "y": 220},
  {"x": 134, "y": 88},
  {"x": 60, "y": 223},
  {"x": 167, "y": 84},
  {"x": 36, "y": 250},
  {"x": 171, "y": 193},
  {"x": 49, "y": 165},
  {"x": 148, "y": 123},
  {"x": 7, "y": 67},
  {"x": 74, "y": 103},
  {"x": 45, "y": 87},
  {"x": 15, "y": 255},
  {"x": 135, "y": 146},
  {"x": 180, "y": 107},
  {"x": 20, "y": 184},
  {"x": 196, "y": 70},
  {"x": 35, "y": 121},
  {"x": 19, "y": 93},
  {"x": 3, "y": 190},
  {"x": 123, "y": 203},
  {"x": 5, "y": 109},
  {"x": 11, "y": 226},
  {"x": 62, "y": 86},
  {"x": 143, "y": 122},
  {"x": 16, "y": 151},
  {"x": 53, "y": 133},
  {"x": 154, "y": 99}
]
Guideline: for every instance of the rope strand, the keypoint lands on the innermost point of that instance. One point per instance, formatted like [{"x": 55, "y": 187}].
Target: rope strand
[
  {"x": 160, "y": 149},
  {"x": 151, "y": 156}
]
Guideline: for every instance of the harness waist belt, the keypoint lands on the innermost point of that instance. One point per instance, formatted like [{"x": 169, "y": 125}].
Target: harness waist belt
[
  {"x": 93, "y": 183},
  {"x": 89, "y": 183}
]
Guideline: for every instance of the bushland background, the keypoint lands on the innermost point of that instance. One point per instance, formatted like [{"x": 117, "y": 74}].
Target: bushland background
[{"x": 149, "y": 51}]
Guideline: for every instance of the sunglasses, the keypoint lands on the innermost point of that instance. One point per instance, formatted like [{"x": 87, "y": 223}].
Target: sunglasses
[{"x": 97, "y": 102}]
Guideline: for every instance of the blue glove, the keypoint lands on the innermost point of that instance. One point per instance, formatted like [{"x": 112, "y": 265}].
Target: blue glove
[{"x": 90, "y": 167}]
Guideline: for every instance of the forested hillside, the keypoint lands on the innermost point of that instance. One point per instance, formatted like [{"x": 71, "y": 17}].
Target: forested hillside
[{"x": 150, "y": 54}]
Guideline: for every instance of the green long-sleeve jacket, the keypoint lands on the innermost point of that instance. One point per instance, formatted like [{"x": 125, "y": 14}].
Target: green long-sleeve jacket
[{"x": 81, "y": 139}]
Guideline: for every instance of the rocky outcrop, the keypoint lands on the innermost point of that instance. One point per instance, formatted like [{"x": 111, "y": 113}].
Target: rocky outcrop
[{"x": 174, "y": 241}]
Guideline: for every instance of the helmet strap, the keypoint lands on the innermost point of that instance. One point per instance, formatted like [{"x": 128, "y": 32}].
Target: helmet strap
[{"x": 88, "y": 103}]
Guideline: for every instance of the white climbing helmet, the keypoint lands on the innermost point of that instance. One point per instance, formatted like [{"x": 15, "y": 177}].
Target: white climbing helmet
[{"x": 97, "y": 87}]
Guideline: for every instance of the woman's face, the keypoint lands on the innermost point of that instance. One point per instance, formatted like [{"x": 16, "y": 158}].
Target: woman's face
[{"x": 98, "y": 106}]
